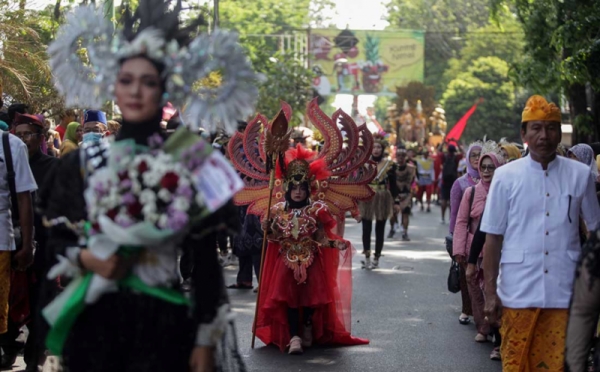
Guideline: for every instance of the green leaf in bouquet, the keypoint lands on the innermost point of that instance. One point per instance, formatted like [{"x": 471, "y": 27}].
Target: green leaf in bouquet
[{"x": 182, "y": 139}]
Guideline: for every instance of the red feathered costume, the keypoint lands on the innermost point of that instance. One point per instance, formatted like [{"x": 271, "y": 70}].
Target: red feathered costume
[{"x": 304, "y": 265}]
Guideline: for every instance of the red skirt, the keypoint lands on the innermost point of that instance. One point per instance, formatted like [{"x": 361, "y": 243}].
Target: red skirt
[{"x": 330, "y": 271}]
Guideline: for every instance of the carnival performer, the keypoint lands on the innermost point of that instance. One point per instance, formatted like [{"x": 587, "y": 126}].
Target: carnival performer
[
  {"x": 144, "y": 323},
  {"x": 533, "y": 245},
  {"x": 379, "y": 208},
  {"x": 426, "y": 173},
  {"x": 405, "y": 175},
  {"x": 305, "y": 289}
]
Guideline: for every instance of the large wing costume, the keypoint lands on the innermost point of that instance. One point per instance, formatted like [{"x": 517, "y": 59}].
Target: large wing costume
[{"x": 344, "y": 156}]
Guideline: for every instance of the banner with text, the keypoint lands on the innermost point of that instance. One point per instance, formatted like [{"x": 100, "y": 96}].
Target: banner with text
[{"x": 366, "y": 62}]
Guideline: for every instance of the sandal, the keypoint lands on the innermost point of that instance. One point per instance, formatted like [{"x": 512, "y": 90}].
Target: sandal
[{"x": 239, "y": 286}]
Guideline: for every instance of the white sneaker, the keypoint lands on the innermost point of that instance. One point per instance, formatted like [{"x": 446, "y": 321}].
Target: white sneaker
[
  {"x": 308, "y": 336},
  {"x": 295, "y": 346},
  {"x": 375, "y": 262},
  {"x": 366, "y": 264},
  {"x": 481, "y": 338}
]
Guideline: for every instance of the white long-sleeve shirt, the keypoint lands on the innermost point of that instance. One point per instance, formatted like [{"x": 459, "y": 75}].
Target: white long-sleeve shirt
[{"x": 537, "y": 211}]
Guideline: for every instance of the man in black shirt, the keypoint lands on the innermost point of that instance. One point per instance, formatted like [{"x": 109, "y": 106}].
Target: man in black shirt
[{"x": 31, "y": 131}]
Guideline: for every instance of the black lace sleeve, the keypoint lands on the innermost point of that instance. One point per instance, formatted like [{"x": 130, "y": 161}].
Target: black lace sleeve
[
  {"x": 207, "y": 276},
  {"x": 62, "y": 198},
  {"x": 476, "y": 245}
]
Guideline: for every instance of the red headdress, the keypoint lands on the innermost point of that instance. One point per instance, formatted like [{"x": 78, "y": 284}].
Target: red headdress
[{"x": 338, "y": 174}]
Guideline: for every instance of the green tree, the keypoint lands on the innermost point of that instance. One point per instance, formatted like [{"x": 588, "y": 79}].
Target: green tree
[
  {"x": 486, "y": 78},
  {"x": 259, "y": 23},
  {"x": 446, "y": 23},
  {"x": 286, "y": 79},
  {"x": 25, "y": 73},
  {"x": 562, "y": 55}
]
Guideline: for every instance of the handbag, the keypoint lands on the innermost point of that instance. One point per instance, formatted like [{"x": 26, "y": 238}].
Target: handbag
[{"x": 454, "y": 278}]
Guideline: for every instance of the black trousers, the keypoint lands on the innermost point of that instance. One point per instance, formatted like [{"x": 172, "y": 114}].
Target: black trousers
[
  {"x": 246, "y": 264},
  {"x": 367, "y": 228},
  {"x": 186, "y": 262},
  {"x": 128, "y": 332}
]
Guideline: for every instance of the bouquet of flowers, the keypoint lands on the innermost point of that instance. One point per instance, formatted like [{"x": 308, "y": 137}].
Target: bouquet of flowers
[{"x": 142, "y": 203}]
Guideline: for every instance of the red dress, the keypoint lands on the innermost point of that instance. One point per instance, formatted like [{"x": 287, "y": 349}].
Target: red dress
[{"x": 301, "y": 270}]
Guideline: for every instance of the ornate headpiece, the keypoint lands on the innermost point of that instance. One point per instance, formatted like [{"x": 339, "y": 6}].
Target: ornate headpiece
[
  {"x": 380, "y": 139},
  {"x": 537, "y": 108},
  {"x": 492, "y": 148},
  {"x": 153, "y": 31},
  {"x": 303, "y": 166},
  {"x": 338, "y": 174}
]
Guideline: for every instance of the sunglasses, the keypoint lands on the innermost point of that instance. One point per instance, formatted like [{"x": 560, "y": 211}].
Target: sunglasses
[{"x": 487, "y": 168}]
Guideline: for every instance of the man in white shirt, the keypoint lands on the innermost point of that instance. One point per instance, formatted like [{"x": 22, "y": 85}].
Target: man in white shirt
[
  {"x": 24, "y": 185},
  {"x": 532, "y": 245}
]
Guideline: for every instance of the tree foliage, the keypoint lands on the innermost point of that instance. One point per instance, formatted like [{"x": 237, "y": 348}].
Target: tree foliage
[
  {"x": 486, "y": 78},
  {"x": 286, "y": 79},
  {"x": 259, "y": 23},
  {"x": 562, "y": 55},
  {"x": 446, "y": 22},
  {"x": 25, "y": 73}
]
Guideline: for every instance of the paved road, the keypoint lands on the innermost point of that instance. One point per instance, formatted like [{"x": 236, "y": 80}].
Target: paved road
[{"x": 403, "y": 308}]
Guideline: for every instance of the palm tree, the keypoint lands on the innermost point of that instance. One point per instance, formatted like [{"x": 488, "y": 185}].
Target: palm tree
[{"x": 24, "y": 69}]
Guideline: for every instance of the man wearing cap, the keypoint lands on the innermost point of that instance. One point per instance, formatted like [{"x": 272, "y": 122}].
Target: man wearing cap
[
  {"x": 532, "y": 223},
  {"x": 94, "y": 126},
  {"x": 30, "y": 130},
  {"x": 21, "y": 215}
]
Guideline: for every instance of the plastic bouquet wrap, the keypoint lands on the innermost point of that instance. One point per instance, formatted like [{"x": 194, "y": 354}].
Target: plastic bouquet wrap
[{"x": 142, "y": 203}]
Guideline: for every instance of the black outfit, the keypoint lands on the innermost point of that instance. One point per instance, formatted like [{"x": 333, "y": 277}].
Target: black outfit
[
  {"x": 41, "y": 290},
  {"x": 476, "y": 248},
  {"x": 247, "y": 246},
  {"x": 126, "y": 331}
]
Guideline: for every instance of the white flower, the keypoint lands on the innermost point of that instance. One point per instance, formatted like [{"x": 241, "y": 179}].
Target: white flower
[
  {"x": 149, "y": 209},
  {"x": 181, "y": 204},
  {"x": 165, "y": 195},
  {"x": 183, "y": 181},
  {"x": 136, "y": 187},
  {"x": 152, "y": 217},
  {"x": 163, "y": 221},
  {"x": 147, "y": 197}
]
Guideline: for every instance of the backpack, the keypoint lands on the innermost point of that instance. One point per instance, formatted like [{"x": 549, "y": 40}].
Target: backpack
[{"x": 450, "y": 170}]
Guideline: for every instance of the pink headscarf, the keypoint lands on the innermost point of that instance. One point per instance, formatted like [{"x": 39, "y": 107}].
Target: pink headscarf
[{"x": 498, "y": 162}]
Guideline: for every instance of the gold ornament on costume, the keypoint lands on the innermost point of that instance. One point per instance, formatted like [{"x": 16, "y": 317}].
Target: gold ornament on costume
[{"x": 297, "y": 173}]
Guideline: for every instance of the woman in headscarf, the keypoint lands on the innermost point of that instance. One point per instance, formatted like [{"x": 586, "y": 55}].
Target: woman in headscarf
[
  {"x": 510, "y": 151},
  {"x": 584, "y": 154},
  {"x": 469, "y": 215},
  {"x": 456, "y": 194},
  {"x": 73, "y": 136}
]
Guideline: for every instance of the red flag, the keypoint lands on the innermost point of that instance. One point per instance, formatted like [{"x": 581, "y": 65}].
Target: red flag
[{"x": 458, "y": 128}]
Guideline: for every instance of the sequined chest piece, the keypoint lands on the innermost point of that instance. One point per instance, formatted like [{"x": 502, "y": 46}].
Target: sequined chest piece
[{"x": 298, "y": 249}]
